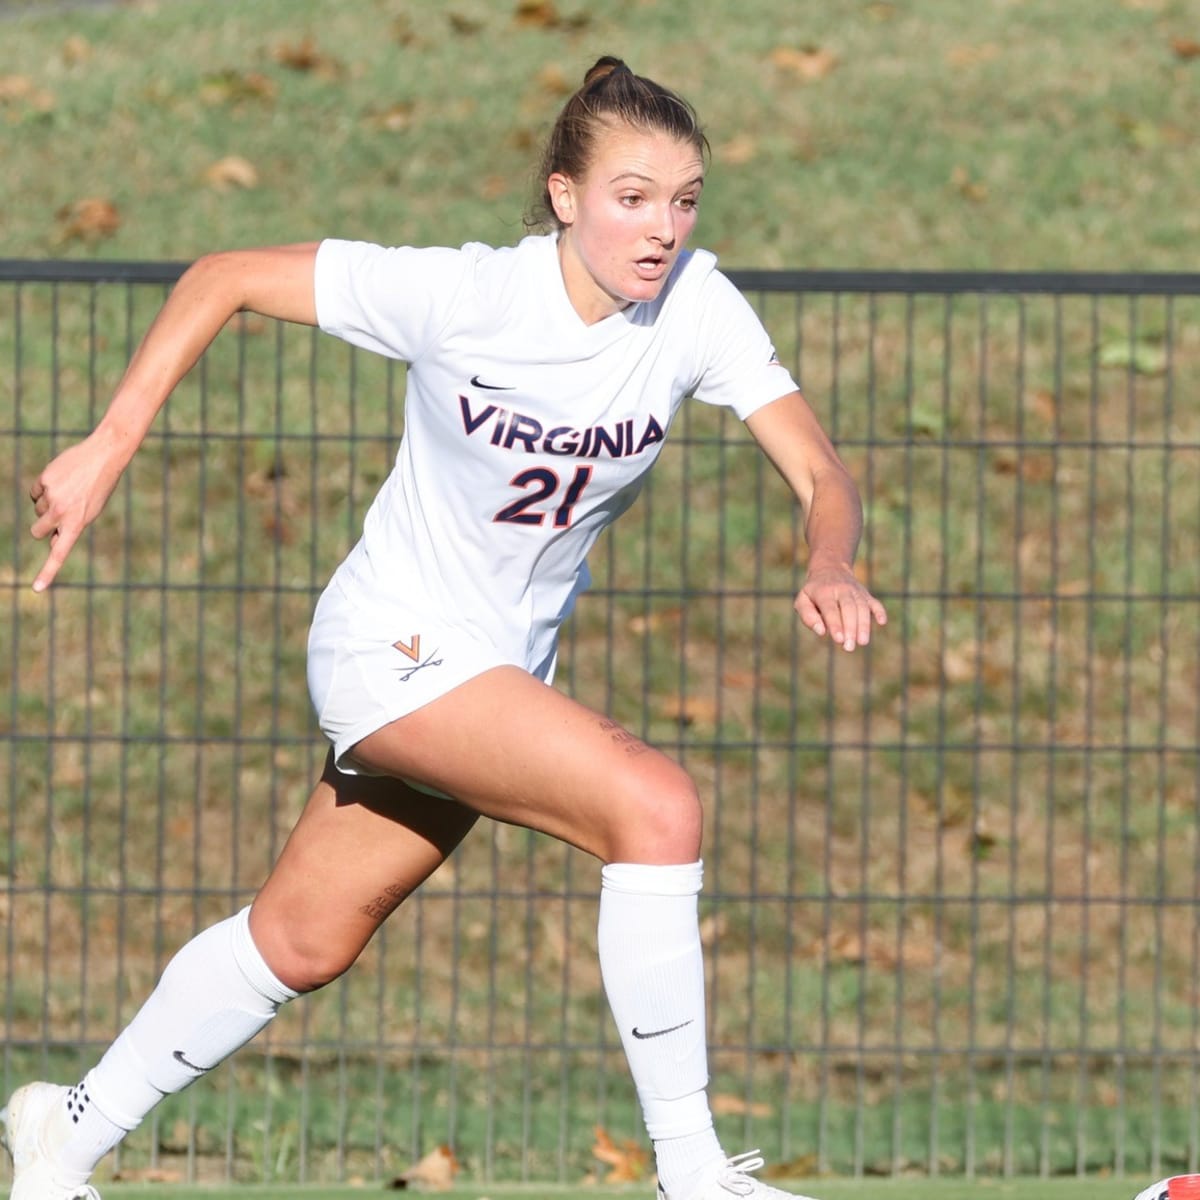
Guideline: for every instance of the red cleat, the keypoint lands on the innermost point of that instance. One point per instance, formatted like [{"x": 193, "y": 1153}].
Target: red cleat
[{"x": 1178, "y": 1187}]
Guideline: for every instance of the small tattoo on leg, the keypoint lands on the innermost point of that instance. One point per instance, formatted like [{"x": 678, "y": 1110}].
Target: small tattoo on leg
[
  {"x": 632, "y": 744},
  {"x": 383, "y": 906}
]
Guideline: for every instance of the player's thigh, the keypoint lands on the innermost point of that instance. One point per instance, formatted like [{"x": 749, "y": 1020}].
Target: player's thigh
[
  {"x": 361, "y": 845},
  {"x": 513, "y": 748}
]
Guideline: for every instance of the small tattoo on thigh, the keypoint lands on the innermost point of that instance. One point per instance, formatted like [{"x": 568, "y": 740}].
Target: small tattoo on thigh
[
  {"x": 384, "y": 905},
  {"x": 631, "y": 742}
]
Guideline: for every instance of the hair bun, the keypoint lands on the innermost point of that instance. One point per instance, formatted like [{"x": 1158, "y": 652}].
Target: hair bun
[{"x": 603, "y": 68}]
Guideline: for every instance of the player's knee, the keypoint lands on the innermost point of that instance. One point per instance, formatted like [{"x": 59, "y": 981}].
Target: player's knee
[
  {"x": 304, "y": 959},
  {"x": 661, "y": 819}
]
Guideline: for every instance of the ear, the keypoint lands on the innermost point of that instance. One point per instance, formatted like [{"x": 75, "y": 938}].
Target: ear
[{"x": 562, "y": 197}]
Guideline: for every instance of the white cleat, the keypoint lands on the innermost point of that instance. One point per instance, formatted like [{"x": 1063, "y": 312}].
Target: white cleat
[
  {"x": 25, "y": 1122},
  {"x": 733, "y": 1178}
]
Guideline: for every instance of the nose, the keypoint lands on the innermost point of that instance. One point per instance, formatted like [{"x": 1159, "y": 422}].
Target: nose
[{"x": 663, "y": 228}]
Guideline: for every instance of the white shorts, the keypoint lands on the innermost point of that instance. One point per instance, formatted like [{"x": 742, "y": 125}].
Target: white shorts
[{"x": 366, "y": 671}]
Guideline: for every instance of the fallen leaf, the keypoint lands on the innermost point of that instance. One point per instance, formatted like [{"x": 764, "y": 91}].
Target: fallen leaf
[
  {"x": 304, "y": 55},
  {"x": 1038, "y": 468},
  {"x": 436, "y": 1171},
  {"x": 969, "y": 188},
  {"x": 553, "y": 80},
  {"x": 1073, "y": 587},
  {"x": 1033, "y": 468},
  {"x": 844, "y": 946},
  {"x": 627, "y": 1162},
  {"x": 279, "y": 528},
  {"x": 403, "y": 32},
  {"x": 464, "y": 25},
  {"x": 1044, "y": 404},
  {"x": 848, "y": 948},
  {"x": 959, "y": 663},
  {"x": 794, "y": 1168},
  {"x": 688, "y": 710},
  {"x": 15, "y": 87},
  {"x": 148, "y": 1175},
  {"x": 76, "y": 49},
  {"x": 738, "y": 150},
  {"x": 1033, "y": 553},
  {"x": 397, "y": 118},
  {"x": 494, "y": 187},
  {"x": 21, "y": 90},
  {"x": 536, "y": 14},
  {"x": 808, "y": 63},
  {"x": 232, "y": 171},
  {"x": 660, "y": 618},
  {"x": 1185, "y": 48},
  {"x": 740, "y": 679},
  {"x": 88, "y": 220},
  {"x": 972, "y": 56}
]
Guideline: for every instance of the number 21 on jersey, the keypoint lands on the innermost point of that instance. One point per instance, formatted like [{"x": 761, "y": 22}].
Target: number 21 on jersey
[{"x": 541, "y": 487}]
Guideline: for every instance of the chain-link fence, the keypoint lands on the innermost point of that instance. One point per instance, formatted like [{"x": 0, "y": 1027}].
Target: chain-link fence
[{"x": 952, "y": 881}]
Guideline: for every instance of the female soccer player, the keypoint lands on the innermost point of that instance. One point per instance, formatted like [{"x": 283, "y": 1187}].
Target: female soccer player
[{"x": 542, "y": 380}]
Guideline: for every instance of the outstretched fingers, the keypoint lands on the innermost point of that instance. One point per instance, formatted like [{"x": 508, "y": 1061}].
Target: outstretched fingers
[{"x": 835, "y": 604}]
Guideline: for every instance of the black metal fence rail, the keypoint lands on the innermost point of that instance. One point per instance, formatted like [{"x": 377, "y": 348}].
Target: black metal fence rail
[{"x": 798, "y": 282}]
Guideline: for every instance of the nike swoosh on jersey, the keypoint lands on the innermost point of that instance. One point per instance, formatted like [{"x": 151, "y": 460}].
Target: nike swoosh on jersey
[
  {"x": 653, "y": 1033},
  {"x": 489, "y": 387}
]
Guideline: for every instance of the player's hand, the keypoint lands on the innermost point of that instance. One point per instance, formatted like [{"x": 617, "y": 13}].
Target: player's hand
[
  {"x": 833, "y": 602},
  {"x": 69, "y": 494}
]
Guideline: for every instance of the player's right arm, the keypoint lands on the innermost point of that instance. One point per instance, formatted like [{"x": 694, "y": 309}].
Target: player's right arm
[{"x": 72, "y": 490}]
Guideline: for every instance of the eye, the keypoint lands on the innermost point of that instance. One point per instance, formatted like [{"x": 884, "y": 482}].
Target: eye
[
  {"x": 631, "y": 199},
  {"x": 689, "y": 203}
]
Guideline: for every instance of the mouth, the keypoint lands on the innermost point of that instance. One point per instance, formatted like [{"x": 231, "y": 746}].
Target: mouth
[{"x": 653, "y": 266}]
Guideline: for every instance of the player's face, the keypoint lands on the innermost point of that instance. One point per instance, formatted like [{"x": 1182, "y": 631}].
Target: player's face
[{"x": 627, "y": 219}]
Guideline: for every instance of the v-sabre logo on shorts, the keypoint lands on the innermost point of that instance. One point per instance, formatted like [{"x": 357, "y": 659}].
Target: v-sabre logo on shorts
[{"x": 412, "y": 651}]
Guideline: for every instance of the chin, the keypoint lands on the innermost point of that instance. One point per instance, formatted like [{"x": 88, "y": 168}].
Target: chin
[{"x": 643, "y": 291}]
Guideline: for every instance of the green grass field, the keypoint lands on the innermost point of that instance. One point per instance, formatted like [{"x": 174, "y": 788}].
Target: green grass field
[{"x": 851, "y": 133}]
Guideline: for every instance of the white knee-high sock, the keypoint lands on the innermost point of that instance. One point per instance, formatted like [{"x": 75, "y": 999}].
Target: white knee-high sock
[
  {"x": 214, "y": 996},
  {"x": 652, "y": 964}
]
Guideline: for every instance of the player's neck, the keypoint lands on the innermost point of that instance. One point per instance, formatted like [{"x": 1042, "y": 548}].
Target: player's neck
[{"x": 590, "y": 301}]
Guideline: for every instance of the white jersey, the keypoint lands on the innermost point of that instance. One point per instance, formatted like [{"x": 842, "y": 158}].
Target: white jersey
[{"x": 526, "y": 431}]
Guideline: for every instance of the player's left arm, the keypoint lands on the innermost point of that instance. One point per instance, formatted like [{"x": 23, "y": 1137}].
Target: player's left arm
[{"x": 833, "y": 600}]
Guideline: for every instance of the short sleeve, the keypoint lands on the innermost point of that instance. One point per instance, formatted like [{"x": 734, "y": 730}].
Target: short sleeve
[
  {"x": 738, "y": 363},
  {"x": 392, "y": 300}
]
